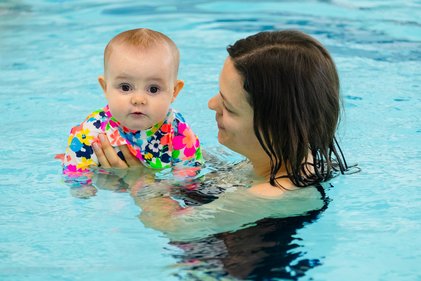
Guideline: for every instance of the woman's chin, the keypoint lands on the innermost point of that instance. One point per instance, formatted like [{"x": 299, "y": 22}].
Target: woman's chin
[{"x": 220, "y": 137}]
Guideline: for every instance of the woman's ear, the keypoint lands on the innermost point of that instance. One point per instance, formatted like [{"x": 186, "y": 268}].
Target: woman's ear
[
  {"x": 179, "y": 84},
  {"x": 103, "y": 83}
]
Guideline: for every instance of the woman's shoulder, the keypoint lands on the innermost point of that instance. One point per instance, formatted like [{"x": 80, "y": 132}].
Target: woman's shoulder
[
  {"x": 286, "y": 191},
  {"x": 265, "y": 190}
]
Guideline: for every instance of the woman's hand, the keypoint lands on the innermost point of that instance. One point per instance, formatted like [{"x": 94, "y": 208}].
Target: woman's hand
[{"x": 108, "y": 157}]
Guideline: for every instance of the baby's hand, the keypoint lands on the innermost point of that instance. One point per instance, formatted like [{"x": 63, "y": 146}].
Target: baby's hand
[{"x": 59, "y": 157}]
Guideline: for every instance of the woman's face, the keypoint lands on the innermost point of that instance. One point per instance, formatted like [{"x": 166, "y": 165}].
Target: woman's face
[{"x": 234, "y": 114}]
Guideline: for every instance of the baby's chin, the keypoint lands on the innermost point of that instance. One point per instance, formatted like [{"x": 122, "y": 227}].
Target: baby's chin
[
  {"x": 140, "y": 125},
  {"x": 137, "y": 127}
]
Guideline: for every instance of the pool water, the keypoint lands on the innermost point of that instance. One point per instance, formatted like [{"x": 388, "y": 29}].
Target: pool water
[{"x": 50, "y": 57}]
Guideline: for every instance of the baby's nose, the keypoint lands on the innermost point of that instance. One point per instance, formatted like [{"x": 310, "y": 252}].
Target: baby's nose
[{"x": 138, "y": 98}]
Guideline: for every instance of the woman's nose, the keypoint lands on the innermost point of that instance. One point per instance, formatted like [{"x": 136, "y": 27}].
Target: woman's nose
[{"x": 213, "y": 103}]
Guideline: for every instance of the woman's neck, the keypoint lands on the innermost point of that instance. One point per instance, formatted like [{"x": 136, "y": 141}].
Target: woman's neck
[{"x": 262, "y": 169}]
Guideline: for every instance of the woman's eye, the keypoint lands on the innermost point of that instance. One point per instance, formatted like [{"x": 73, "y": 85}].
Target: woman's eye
[
  {"x": 153, "y": 89},
  {"x": 227, "y": 109},
  {"x": 125, "y": 87}
]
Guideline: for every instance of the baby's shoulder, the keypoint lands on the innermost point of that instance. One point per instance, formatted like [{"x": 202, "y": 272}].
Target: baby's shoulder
[
  {"x": 176, "y": 117},
  {"x": 94, "y": 122},
  {"x": 100, "y": 114},
  {"x": 177, "y": 122}
]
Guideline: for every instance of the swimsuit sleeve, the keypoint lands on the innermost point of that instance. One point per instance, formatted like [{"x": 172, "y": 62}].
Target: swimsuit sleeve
[
  {"x": 79, "y": 154},
  {"x": 186, "y": 145}
]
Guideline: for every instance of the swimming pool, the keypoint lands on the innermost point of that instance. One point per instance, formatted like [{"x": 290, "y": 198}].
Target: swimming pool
[{"x": 50, "y": 57}]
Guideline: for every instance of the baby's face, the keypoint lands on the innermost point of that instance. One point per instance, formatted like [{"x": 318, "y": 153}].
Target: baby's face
[{"x": 140, "y": 85}]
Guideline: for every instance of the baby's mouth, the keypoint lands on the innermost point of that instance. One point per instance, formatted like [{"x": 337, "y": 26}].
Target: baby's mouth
[{"x": 137, "y": 113}]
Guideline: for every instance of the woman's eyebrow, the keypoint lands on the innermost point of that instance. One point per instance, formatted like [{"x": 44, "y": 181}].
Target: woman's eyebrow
[{"x": 226, "y": 101}]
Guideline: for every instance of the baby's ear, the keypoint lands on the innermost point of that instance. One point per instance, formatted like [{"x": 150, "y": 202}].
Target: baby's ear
[
  {"x": 103, "y": 83},
  {"x": 179, "y": 84}
]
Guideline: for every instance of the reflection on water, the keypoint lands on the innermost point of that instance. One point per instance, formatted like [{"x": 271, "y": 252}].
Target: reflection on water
[
  {"x": 262, "y": 250},
  {"x": 265, "y": 250}
]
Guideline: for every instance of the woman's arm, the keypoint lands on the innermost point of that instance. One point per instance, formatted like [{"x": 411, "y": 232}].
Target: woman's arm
[{"x": 235, "y": 209}]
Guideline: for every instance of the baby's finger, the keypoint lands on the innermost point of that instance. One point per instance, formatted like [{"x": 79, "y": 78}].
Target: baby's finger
[
  {"x": 110, "y": 155},
  {"x": 131, "y": 160}
]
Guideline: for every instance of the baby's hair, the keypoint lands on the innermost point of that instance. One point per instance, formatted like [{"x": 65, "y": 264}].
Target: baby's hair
[{"x": 143, "y": 39}]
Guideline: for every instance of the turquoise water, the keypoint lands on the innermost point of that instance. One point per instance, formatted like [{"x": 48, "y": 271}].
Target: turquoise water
[{"x": 50, "y": 57}]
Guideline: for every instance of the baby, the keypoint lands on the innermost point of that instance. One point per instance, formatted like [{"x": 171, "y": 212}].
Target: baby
[{"x": 139, "y": 83}]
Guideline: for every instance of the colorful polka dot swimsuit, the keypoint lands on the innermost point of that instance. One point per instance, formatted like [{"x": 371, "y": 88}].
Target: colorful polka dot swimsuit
[{"x": 167, "y": 144}]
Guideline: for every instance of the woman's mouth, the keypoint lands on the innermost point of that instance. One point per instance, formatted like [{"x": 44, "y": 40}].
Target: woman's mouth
[{"x": 219, "y": 125}]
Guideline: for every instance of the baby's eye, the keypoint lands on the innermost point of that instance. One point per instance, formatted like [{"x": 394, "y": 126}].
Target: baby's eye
[
  {"x": 154, "y": 89},
  {"x": 125, "y": 87}
]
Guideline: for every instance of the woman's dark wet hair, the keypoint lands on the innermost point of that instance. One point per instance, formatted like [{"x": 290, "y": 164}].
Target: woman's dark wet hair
[{"x": 293, "y": 88}]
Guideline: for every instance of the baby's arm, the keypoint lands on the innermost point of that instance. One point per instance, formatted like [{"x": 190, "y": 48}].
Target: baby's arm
[
  {"x": 79, "y": 154},
  {"x": 186, "y": 146}
]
